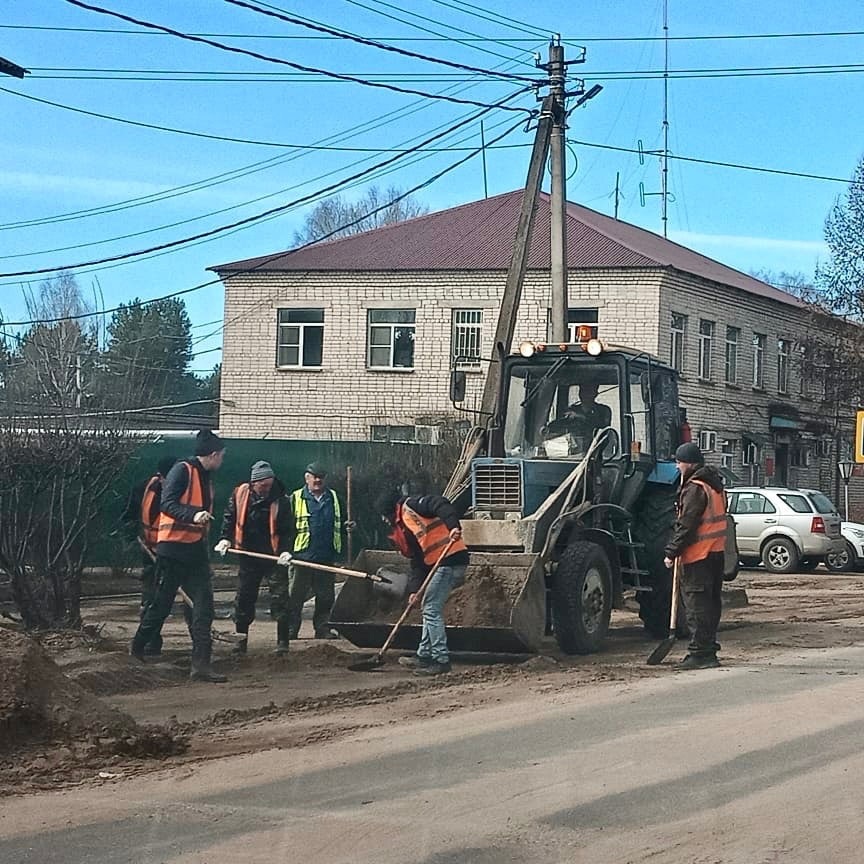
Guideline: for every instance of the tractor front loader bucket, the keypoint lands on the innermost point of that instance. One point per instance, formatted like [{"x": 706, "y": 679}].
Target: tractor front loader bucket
[{"x": 501, "y": 608}]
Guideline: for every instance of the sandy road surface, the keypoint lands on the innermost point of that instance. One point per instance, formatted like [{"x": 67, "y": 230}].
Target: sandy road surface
[{"x": 599, "y": 755}]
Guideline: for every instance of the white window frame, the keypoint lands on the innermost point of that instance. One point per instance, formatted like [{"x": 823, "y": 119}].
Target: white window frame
[
  {"x": 282, "y": 328},
  {"x": 760, "y": 340},
  {"x": 397, "y": 330},
  {"x": 727, "y": 454},
  {"x": 750, "y": 453},
  {"x": 677, "y": 341},
  {"x": 707, "y": 441},
  {"x": 586, "y": 316},
  {"x": 466, "y": 338},
  {"x": 706, "y": 347},
  {"x": 733, "y": 338},
  {"x": 783, "y": 357}
]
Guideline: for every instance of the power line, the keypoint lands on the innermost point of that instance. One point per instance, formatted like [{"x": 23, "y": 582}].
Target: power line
[
  {"x": 258, "y": 56},
  {"x": 701, "y": 38},
  {"x": 738, "y": 165},
  {"x": 489, "y": 15},
  {"x": 255, "y": 217},
  {"x": 360, "y": 40},
  {"x": 375, "y": 123},
  {"x": 266, "y": 260}
]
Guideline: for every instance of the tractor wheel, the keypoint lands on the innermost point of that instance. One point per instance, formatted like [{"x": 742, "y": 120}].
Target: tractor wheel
[
  {"x": 581, "y": 598},
  {"x": 652, "y": 526}
]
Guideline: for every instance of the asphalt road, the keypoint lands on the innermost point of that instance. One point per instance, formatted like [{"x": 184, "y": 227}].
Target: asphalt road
[{"x": 747, "y": 764}]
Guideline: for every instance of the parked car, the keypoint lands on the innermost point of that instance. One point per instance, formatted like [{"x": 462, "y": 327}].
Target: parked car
[
  {"x": 785, "y": 529},
  {"x": 851, "y": 556}
]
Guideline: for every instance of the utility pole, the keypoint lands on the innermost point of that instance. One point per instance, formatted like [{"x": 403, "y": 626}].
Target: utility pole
[
  {"x": 664, "y": 169},
  {"x": 483, "y": 153},
  {"x": 558, "y": 196}
]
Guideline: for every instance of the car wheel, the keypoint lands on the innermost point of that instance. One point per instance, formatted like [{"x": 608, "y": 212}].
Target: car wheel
[
  {"x": 780, "y": 555},
  {"x": 843, "y": 559}
]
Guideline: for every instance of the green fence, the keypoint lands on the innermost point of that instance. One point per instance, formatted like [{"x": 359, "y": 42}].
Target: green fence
[{"x": 375, "y": 467}]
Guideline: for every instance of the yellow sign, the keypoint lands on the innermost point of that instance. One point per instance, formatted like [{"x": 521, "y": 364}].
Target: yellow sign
[{"x": 859, "y": 436}]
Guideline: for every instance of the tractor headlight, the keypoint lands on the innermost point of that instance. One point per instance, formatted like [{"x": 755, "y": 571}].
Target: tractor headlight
[
  {"x": 526, "y": 349},
  {"x": 594, "y": 347}
]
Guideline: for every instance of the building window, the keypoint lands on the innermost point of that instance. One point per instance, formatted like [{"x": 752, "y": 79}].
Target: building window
[
  {"x": 733, "y": 335},
  {"x": 759, "y": 340},
  {"x": 749, "y": 453},
  {"x": 391, "y": 339},
  {"x": 467, "y": 328},
  {"x": 577, "y": 318},
  {"x": 707, "y": 441},
  {"x": 727, "y": 454},
  {"x": 299, "y": 338},
  {"x": 678, "y": 331},
  {"x": 706, "y": 342},
  {"x": 783, "y": 365},
  {"x": 392, "y": 434}
]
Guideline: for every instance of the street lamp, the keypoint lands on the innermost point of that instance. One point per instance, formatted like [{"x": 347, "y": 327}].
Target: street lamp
[
  {"x": 845, "y": 468},
  {"x": 7, "y": 67}
]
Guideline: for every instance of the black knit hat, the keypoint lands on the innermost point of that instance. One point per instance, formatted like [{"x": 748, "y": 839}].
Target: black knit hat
[
  {"x": 689, "y": 453},
  {"x": 207, "y": 442}
]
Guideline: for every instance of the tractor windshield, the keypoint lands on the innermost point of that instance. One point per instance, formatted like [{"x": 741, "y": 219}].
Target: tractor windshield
[{"x": 556, "y": 404}]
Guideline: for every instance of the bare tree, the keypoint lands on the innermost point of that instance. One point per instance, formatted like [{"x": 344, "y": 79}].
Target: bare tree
[
  {"x": 54, "y": 475},
  {"x": 337, "y": 217}
]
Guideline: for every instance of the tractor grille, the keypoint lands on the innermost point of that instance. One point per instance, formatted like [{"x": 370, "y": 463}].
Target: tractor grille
[{"x": 497, "y": 485}]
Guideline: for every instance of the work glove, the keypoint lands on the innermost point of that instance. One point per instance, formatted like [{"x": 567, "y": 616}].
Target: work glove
[
  {"x": 222, "y": 547},
  {"x": 201, "y": 517},
  {"x": 284, "y": 559}
]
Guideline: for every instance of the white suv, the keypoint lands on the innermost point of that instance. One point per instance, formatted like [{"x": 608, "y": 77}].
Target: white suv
[{"x": 785, "y": 529}]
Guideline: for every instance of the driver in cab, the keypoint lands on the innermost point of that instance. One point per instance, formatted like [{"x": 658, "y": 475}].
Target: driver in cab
[{"x": 584, "y": 417}]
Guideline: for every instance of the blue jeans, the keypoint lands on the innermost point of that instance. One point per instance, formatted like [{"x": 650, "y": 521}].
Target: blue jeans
[{"x": 433, "y": 642}]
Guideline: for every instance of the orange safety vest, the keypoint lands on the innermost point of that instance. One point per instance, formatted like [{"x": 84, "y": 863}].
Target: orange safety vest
[
  {"x": 711, "y": 531},
  {"x": 172, "y": 531},
  {"x": 431, "y": 533},
  {"x": 150, "y": 513},
  {"x": 241, "y": 504}
]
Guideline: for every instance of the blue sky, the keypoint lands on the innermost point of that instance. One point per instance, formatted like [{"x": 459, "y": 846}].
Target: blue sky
[{"x": 57, "y": 163}]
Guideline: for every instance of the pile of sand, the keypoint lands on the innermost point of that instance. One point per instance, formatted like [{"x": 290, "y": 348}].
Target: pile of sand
[{"x": 39, "y": 705}]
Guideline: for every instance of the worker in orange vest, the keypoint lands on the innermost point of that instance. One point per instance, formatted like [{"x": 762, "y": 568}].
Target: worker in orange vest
[
  {"x": 696, "y": 545},
  {"x": 258, "y": 518},
  {"x": 142, "y": 511},
  {"x": 182, "y": 553},
  {"x": 422, "y": 528}
]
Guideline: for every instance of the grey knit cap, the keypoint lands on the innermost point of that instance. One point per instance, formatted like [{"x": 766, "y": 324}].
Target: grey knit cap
[{"x": 261, "y": 471}]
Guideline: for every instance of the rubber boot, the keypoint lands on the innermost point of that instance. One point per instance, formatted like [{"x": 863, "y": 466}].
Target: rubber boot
[
  {"x": 204, "y": 672},
  {"x": 239, "y": 649},
  {"x": 282, "y": 638}
]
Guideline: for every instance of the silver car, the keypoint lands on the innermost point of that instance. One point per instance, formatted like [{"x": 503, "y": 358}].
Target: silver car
[{"x": 785, "y": 529}]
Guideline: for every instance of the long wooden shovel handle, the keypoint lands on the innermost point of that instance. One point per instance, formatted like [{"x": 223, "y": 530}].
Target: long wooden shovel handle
[
  {"x": 325, "y": 568},
  {"x": 676, "y": 579},
  {"x": 413, "y": 599}
]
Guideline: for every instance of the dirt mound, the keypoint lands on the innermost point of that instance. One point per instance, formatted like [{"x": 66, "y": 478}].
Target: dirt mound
[{"x": 40, "y": 705}]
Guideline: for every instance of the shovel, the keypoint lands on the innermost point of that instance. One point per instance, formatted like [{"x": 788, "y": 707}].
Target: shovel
[
  {"x": 216, "y": 635},
  {"x": 658, "y": 655},
  {"x": 385, "y": 581},
  {"x": 370, "y": 664}
]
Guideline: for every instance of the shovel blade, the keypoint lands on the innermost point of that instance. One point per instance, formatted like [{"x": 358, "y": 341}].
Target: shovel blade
[
  {"x": 368, "y": 664},
  {"x": 658, "y": 655}
]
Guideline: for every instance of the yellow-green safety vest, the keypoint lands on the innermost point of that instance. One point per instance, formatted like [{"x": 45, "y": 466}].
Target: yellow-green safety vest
[{"x": 303, "y": 537}]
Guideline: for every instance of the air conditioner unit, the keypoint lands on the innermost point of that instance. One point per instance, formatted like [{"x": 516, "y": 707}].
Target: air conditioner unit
[
  {"x": 707, "y": 441},
  {"x": 427, "y": 434}
]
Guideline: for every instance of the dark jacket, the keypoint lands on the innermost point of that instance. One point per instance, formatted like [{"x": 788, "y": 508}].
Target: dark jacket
[
  {"x": 692, "y": 502},
  {"x": 257, "y": 529},
  {"x": 431, "y": 506},
  {"x": 173, "y": 487}
]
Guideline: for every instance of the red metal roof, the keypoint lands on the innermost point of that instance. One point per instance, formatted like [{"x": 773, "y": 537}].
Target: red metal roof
[{"x": 479, "y": 236}]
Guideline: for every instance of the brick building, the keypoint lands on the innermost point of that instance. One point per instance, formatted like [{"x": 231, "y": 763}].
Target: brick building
[{"x": 353, "y": 339}]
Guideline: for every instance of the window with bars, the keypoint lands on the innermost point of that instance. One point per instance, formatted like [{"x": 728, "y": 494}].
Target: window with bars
[
  {"x": 706, "y": 344},
  {"x": 783, "y": 350},
  {"x": 390, "y": 339},
  {"x": 733, "y": 336},
  {"x": 299, "y": 338},
  {"x": 759, "y": 340},
  {"x": 678, "y": 332},
  {"x": 466, "y": 338}
]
